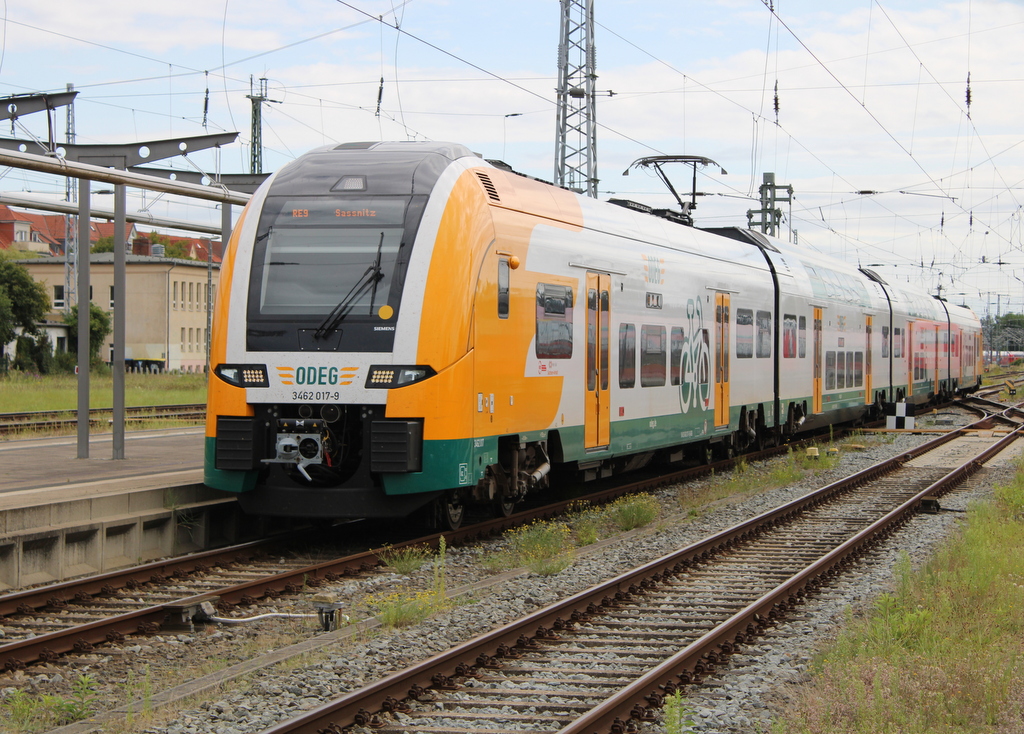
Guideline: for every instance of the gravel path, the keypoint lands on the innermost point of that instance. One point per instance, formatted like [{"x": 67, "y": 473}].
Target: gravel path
[{"x": 742, "y": 700}]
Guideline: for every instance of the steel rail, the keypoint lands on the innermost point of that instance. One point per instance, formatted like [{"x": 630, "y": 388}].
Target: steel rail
[
  {"x": 48, "y": 419},
  {"x": 357, "y": 706},
  {"x": 708, "y": 650}
]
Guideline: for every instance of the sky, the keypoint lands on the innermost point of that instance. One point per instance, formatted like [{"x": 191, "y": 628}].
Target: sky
[{"x": 861, "y": 106}]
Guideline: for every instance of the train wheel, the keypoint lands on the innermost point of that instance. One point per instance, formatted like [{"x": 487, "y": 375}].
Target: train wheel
[
  {"x": 504, "y": 506},
  {"x": 709, "y": 454},
  {"x": 452, "y": 511}
]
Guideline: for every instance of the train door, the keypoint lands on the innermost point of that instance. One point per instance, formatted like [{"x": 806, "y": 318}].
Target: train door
[
  {"x": 868, "y": 398},
  {"x": 909, "y": 353},
  {"x": 939, "y": 357},
  {"x": 818, "y": 343},
  {"x": 722, "y": 359},
  {"x": 598, "y": 409}
]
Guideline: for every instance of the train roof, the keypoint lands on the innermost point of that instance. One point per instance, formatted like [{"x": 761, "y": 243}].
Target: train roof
[{"x": 372, "y": 168}]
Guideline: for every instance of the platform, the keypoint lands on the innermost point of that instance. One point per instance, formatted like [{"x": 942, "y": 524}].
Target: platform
[
  {"x": 150, "y": 456},
  {"x": 61, "y": 516}
]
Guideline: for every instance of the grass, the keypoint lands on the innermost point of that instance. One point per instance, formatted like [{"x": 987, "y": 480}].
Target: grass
[
  {"x": 404, "y": 607},
  {"x": 943, "y": 652},
  {"x": 405, "y": 560},
  {"x": 745, "y": 480},
  {"x": 23, "y": 392},
  {"x": 25, "y": 713},
  {"x": 548, "y": 547}
]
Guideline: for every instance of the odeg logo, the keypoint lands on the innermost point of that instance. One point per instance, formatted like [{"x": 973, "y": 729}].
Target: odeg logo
[{"x": 316, "y": 376}]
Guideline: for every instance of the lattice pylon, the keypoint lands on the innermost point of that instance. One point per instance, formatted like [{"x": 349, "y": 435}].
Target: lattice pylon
[{"x": 576, "y": 125}]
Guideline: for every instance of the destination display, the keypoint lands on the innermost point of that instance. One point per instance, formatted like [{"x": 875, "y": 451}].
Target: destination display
[{"x": 377, "y": 210}]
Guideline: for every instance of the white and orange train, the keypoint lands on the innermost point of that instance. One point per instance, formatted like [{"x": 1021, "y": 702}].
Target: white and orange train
[{"x": 405, "y": 325}]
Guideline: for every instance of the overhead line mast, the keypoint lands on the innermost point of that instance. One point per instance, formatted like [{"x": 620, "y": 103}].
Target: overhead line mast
[{"x": 576, "y": 126}]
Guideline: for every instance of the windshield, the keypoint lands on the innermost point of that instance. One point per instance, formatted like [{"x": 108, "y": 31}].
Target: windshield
[{"x": 312, "y": 253}]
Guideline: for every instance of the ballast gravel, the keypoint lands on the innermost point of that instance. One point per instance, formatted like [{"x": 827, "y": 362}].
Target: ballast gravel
[{"x": 741, "y": 697}]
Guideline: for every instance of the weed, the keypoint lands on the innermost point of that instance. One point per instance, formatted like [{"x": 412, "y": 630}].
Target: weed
[
  {"x": 405, "y": 560},
  {"x": 27, "y": 713},
  {"x": 83, "y": 696},
  {"x": 403, "y": 607},
  {"x": 633, "y": 511},
  {"x": 543, "y": 547},
  {"x": 678, "y": 718},
  {"x": 585, "y": 522}
]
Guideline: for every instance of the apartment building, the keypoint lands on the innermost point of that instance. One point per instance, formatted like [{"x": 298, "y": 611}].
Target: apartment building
[{"x": 167, "y": 306}]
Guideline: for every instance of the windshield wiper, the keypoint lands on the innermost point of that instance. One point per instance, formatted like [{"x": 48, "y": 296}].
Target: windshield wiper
[{"x": 368, "y": 279}]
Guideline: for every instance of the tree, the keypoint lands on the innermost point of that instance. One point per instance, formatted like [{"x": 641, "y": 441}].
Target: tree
[
  {"x": 99, "y": 328},
  {"x": 178, "y": 250},
  {"x": 104, "y": 244},
  {"x": 23, "y": 302},
  {"x": 7, "y": 331},
  {"x": 29, "y": 302}
]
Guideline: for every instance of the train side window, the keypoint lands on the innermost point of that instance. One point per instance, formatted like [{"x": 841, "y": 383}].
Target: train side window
[
  {"x": 897, "y": 343},
  {"x": 858, "y": 369},
  {"x": 764, "y": 334},
  {"x": 675, "y": 357},
  {"x": 627, "y": 355},
  {"x": 744, "y": 333},
  {"x": 840, "y": 370},
  {"x": 652, "y": 356},
  {"x": 789, "y": 336},
  {"x": 503, "y": 288},
  {"x": 802, "y": 341},
  {"x": 885, "y": 342},
  {"x": 830, "y": 370},
  {"x": 554, "y": 321}
]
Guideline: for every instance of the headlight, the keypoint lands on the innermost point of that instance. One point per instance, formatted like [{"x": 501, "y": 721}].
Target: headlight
[
  {"x": 243, "y": 375},
  {"x": 389, "y": 376}
]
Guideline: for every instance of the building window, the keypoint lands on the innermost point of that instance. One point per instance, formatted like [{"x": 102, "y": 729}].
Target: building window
[
  {"x": 191, "y": 299},
  {"x": 174, "y": 300},
  {"x": 190, "y": 339},
  {"x": 182, "y": 338},
  {"x": 111, "y": 297},
  {"x": 58, "y": 296}
]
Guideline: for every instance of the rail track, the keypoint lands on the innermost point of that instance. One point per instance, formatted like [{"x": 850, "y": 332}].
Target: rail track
[
  {"x": 64, "y": 604},
  {"x": 44, "y": 623},
  {"x": 604, "y": 659},
  {"x": 79, "y": 614},
  {"x": 55, "y": 420}
]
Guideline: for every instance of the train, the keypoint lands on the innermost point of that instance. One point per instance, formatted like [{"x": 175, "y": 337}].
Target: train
[{"x": 406, "y": 327}]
